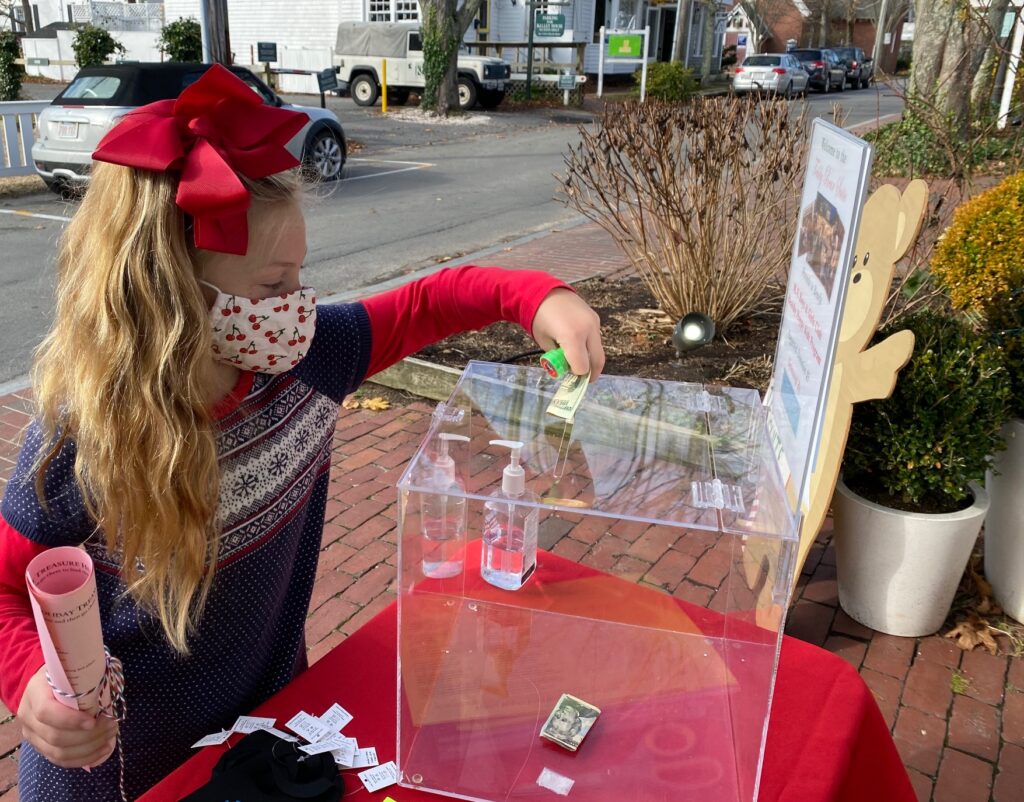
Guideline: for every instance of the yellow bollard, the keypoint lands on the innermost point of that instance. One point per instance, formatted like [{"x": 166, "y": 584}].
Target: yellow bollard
[{"x": 384, "y": 86}]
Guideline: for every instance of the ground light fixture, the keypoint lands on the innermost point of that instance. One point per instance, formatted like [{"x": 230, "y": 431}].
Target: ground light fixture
[{"x": 693, "y": 330}]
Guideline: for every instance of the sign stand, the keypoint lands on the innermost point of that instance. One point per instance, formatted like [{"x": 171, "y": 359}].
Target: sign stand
[
  {"x": 327, "y": 79},
  {"x": 550, "y": 25},
  {"x": 625, "y": 46},
  {"x": 266, "y": 52}
]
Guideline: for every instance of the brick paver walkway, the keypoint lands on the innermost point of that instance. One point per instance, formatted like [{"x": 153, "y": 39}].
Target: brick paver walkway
[{"x": 966, "y": 747}]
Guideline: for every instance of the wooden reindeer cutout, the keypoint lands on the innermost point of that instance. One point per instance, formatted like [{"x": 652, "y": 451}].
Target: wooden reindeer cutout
[{"x": 889, "y": 225}]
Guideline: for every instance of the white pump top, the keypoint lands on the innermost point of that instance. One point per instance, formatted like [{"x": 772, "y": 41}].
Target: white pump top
[
  {"x": 513, "y": 478},
  {"x": 445, "y": 464}
]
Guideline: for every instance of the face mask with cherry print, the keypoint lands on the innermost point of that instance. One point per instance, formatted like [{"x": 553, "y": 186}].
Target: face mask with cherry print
[{"x": 268, "y": 335}]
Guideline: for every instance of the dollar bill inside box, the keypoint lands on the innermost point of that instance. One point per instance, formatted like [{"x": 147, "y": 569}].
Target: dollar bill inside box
[{"x": 657, "y": 595}]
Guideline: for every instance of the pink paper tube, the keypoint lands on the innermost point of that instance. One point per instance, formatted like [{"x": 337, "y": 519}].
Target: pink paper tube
[{"x": 62, "y": 588}]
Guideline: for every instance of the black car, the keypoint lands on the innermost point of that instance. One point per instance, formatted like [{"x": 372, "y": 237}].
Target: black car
[
  {"x": 825, "y": 68},
  {"x": 860, "y": 67}
]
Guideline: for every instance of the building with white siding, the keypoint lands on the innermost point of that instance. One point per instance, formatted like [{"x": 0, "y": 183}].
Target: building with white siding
[{"x": 305, "y": 30}]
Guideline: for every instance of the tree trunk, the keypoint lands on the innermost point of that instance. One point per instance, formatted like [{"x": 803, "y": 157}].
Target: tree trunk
[
  {"x": 953, "y": 88},
  {"x": 220, "y": 44},
  {"x": 26, "y": 12},
  {"x": 984, "y": 63},
  {"x": 443, "y": 28},
  {"x": 933, "y": 19},
  {"x": 969, "y": 38},
  {"x": 679, "y": 39},
  {"x": 710, "y": 7}
]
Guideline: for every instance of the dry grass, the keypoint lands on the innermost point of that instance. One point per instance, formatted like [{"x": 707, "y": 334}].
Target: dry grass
[
  {"x": 756, "y": 372},
  {"x": 19, "y": 185}
]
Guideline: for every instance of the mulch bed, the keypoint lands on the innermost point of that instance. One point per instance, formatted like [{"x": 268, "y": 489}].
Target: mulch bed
[{"x": 636, "y": 337}]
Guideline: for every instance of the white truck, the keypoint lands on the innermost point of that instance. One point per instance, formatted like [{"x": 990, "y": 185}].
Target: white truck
[{"x": 362, "y": 47}]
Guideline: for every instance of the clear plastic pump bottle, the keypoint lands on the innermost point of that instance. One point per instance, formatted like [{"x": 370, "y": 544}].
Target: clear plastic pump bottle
[
  {"x": 443, "y": 517},
  {"x": 509, "y": 555}
]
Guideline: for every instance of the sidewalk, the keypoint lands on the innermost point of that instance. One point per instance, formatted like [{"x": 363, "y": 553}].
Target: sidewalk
[{"x": 966, "y": 747}]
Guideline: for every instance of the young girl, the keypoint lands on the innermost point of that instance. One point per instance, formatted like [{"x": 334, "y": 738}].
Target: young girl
[{"x": 186, "y": 403}]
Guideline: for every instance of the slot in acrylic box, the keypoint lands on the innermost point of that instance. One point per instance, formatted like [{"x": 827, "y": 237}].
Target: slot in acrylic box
[{"x": 659, "y": 594}]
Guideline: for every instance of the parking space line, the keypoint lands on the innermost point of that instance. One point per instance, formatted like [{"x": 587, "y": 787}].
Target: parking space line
[
  {"x": 24, "y": 213},
  {"x": 389, "y": 161},
  {"x": 406, "y": 169}
]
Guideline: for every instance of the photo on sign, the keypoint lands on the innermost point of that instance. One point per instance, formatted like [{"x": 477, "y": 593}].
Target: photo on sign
[
  {"x": 821, "y": 240},
  {"x": 790, "y": 401}
]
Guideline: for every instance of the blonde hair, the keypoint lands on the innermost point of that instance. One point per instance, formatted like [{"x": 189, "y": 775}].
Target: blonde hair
[{"x": 124, "y": 371}]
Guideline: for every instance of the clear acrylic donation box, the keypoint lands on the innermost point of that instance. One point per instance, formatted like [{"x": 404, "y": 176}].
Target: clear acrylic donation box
[{"x": 656, "y": 595}]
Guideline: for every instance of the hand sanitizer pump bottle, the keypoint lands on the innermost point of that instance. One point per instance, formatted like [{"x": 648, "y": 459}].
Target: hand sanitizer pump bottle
[
  {"x": 509, "y": 554},
  {"x": 443, "y": 517}
]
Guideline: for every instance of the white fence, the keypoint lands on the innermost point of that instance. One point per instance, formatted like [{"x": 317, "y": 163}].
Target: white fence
[
  {"x": 139, "y": 46},
  {"x": 120, "y": 16},
  {"x": 17, "y": 129}
]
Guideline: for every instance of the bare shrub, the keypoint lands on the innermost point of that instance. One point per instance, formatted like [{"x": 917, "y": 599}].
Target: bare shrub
[{"x": 701, "y": 197}]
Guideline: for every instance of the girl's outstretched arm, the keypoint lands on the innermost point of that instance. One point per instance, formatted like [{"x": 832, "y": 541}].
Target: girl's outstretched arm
[{"x": 404, "y": 320}]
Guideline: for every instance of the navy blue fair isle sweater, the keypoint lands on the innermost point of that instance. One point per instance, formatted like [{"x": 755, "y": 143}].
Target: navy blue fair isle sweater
[{"x": 274, "y": 436}]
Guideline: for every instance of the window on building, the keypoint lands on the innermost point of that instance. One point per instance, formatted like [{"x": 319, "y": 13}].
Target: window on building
[
  {"x": 738, "y": 21},
  {"x": 392, "y": 11},
  {"x": 482, "y": 23},
  {"x": 628, "y": 14},
  {"x": 601, "y": 12},
  {"x": 406, "y": 10},
  {"x": 697, "y": 32}
]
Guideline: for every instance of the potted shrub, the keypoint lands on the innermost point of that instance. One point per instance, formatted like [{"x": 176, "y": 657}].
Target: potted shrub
[
  {"x": 980, "y": 262},
  {"x": 909, "y": 508}
]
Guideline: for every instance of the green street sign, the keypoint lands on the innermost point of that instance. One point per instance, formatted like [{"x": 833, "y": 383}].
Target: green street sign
[
  {"x": 625, "y": 45},
  {"x": 37, "y": 62},
  {"x": 566, "y": 81},
  {"x": 551, "y": 25}
]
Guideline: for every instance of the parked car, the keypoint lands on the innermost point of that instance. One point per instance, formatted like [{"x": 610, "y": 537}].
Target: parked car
[
  {"x": 72, "y": 126},
  {"x": 825, "y": 68},
  {"x": 860, "y": 67},
  {"x": 362, "y": 47},
  {"x": 777, "y": 73}
]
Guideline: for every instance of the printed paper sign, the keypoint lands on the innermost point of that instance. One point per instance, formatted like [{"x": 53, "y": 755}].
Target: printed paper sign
[
  {"x": 835, "y": 183},
  {"x": 362, "y": 759},
  {"x": 62, "y": 591},
  {"x": 344, "y": 753},
  {"x": 212, "y": 740},
  {"x": 331, "y": 744},
  {"x": 336, "y": 718},
  {"x": 247, "y": 724},
  {"x": 380, "y": 776},
  {"x": 309, "y": 727}
]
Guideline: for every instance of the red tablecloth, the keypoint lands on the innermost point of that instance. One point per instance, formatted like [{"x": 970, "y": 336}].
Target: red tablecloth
[{"x": 827, "y": 740}]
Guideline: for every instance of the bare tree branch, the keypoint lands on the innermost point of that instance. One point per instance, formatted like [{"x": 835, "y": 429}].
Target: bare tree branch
[{"x": 700, "y": 197}]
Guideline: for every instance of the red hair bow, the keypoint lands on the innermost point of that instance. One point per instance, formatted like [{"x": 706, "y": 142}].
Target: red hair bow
[{"x": 217, "y": 127}]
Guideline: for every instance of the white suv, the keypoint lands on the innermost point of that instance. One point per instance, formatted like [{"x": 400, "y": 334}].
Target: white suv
[{"x": 362, "y": 47}]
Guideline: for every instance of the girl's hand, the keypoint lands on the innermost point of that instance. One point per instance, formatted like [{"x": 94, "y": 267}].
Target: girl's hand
[
  {"x": 67, "y": 738},
  {"x": 564, "y": 319}
]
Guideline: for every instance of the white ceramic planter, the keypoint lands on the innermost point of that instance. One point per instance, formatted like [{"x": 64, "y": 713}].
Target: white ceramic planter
[
  {"x": 1004, "y": 527},
  {"x": 898, "y": 571}
]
